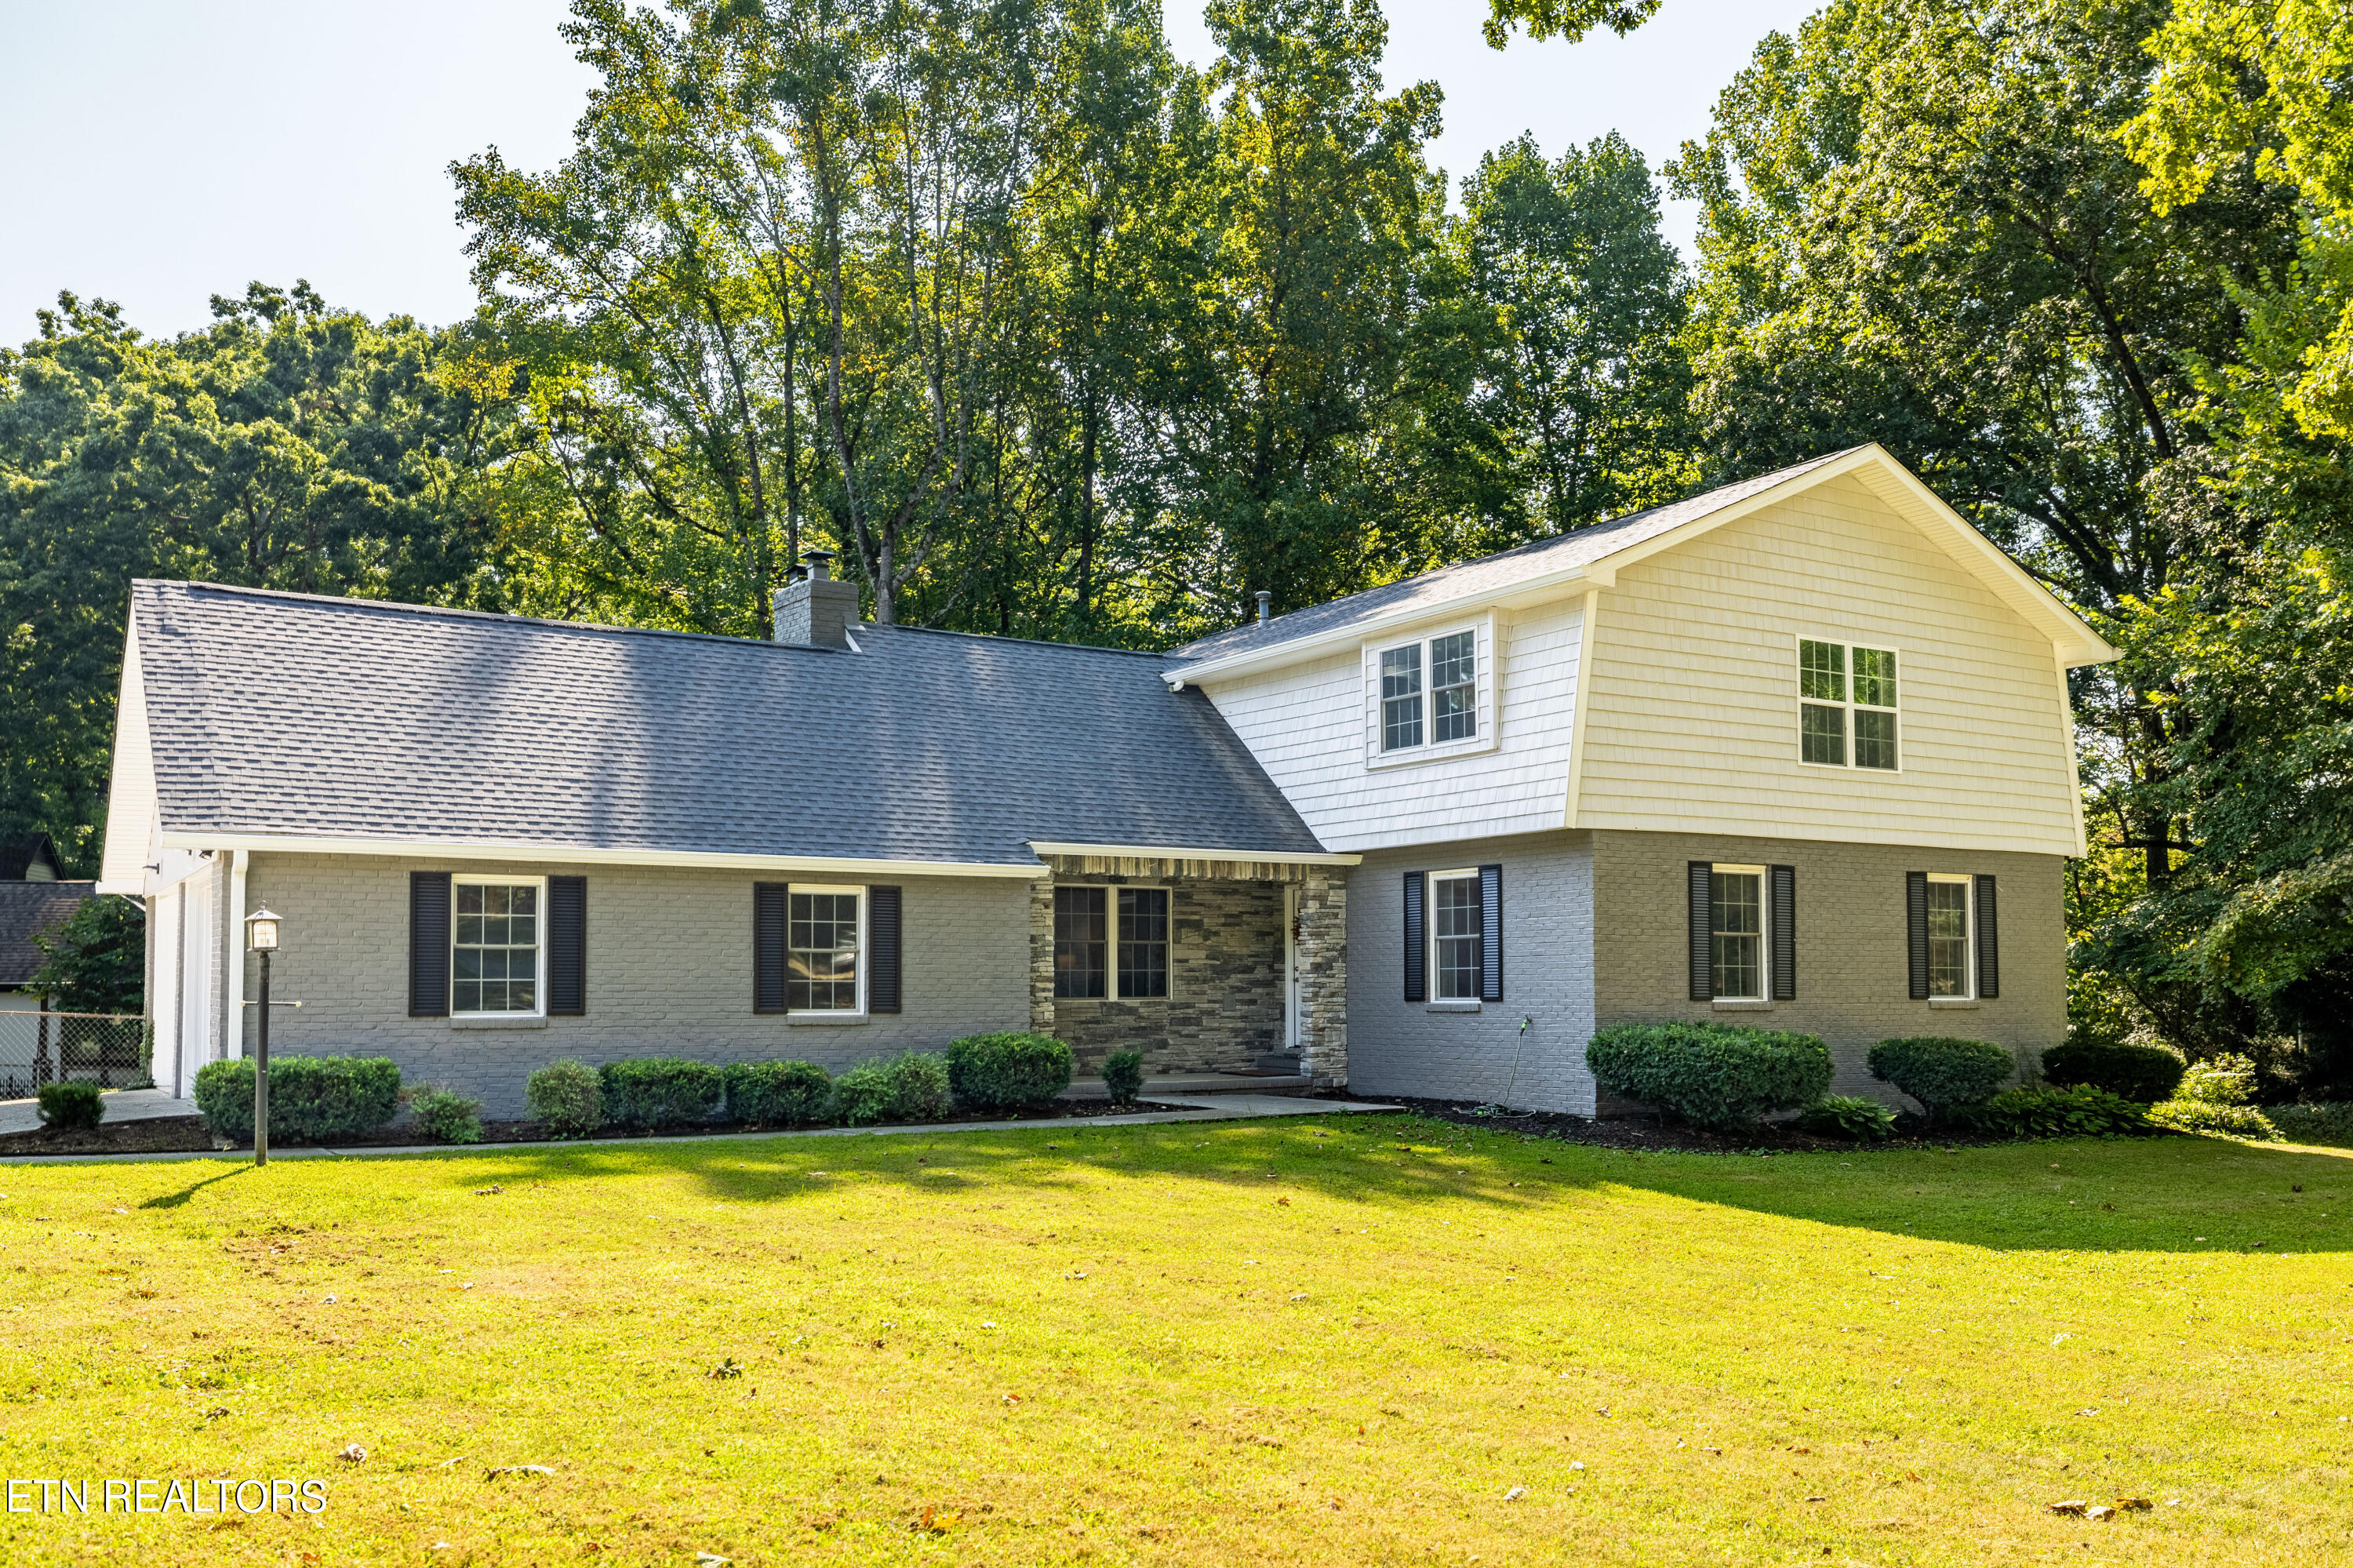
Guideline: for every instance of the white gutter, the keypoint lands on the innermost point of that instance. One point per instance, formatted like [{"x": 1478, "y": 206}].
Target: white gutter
[
  {"x": 232, "y": 934},
  {"x": 575, "y": 854},
  {"x": 1147, "y": 852}
]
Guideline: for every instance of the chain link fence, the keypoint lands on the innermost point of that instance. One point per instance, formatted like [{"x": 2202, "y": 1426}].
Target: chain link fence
[{"x": 108, "y": 1049}]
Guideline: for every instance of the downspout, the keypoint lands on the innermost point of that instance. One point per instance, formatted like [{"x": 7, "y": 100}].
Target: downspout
[{"x": 233, "y": 953}]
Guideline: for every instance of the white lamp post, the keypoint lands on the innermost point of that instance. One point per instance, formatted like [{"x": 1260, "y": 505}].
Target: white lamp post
[{"x": 261, "y": 937}]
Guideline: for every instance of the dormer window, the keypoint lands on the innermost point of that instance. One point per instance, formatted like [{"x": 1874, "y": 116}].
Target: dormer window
[{"x": 1432, "y": 696}]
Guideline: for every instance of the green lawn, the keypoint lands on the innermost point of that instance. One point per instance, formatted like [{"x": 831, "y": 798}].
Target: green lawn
[{"x": 1316, "y": 1340}]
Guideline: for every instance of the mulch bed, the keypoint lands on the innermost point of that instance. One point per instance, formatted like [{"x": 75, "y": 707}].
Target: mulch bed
[
  {"x": 1651, "y": 1135},
  {"x": 186, "y": 1134}
]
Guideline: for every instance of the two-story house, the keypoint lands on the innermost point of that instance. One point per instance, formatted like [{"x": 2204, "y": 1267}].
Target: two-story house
[{"x": 1796, "y": 751}]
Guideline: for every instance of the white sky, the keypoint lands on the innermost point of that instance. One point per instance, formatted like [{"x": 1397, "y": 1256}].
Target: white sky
[{"x": 159, "y": 152}]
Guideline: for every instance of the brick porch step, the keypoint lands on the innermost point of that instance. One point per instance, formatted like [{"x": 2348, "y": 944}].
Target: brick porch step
[{"x": 1201, "y": 1084}]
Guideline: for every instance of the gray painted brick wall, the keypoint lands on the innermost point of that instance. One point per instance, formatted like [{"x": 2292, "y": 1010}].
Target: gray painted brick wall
[
  {"x": 669, "y": 973},
  {"x": 1852, "y": 952},
  {"x": 1399, "y": 1047}
]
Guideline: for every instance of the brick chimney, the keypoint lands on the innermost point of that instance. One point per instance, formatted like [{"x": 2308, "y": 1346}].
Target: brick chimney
[{"x": 814, "y": 608}]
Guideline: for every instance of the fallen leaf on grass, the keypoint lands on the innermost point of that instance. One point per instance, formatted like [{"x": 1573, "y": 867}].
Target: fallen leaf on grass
[
  {"x": 1515, "y": 1494},
  {"x": 518, "y": 1471},
  {"x": 352, "y": 1454},
  {"x": 1285, "y": 1201},
  {"x": 2074, "y": 1506},
  {"x": 1818, "y": 1500},
  {"x": 2132, "y": 1505},
  {"x": 2099, "y": 1511},
  {"x": 490, "y": 1192},
  {"x": 726, "y": 1369}
]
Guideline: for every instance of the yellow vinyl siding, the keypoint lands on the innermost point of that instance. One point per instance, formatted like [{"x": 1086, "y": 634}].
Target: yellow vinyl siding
[{"x": 1692, "y": 711}]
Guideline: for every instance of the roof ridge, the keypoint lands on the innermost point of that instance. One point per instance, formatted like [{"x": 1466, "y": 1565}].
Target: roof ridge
[
  {"x": 408, "y": 607},
  {"x": 865, "y": 626},
  {"x": 453, "y": 611}
]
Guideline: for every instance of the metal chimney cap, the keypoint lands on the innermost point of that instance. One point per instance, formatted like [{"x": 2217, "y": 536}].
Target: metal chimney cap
[
  {"x": 1265, "y": 603},
  {"x": 818, "y": 560}
]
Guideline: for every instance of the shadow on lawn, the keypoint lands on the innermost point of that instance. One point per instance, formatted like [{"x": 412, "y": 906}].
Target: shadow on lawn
[{"x": 2175, "y": 1194}]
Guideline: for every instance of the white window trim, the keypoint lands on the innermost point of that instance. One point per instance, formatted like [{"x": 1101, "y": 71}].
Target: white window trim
[
  {"x": 539, "y": 987},
  {"x": 865, "y": 953},
  {"x": 1967, "y": 996},
  {"x": 1764, "y": 934},
  {"x": 1111, "y": 891},
  {"x": 1484, "y": 737},
  {"x": 1430, "y": 937},
  {"x": 1903, "y": 683}
]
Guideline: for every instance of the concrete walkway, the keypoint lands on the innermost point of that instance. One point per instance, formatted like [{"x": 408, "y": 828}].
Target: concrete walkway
[
  {"x": 121, "y": 1105},
  {"x": 1206, "y": 1107}
]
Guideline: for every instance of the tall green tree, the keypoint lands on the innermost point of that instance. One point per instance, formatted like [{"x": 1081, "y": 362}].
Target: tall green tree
[
  {"x": 1921, "y": 226},
  {"x": 290, "y": 445},
  {"x": 1586, "y": 382}
]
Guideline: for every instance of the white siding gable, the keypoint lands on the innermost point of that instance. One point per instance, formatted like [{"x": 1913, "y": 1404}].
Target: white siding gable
[
  {"x": 1693, "y": 713},
  {"x": 1313, "y": 727}
]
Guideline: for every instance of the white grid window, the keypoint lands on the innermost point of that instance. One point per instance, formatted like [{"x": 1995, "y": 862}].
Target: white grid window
[
  {"x": 1949, "y": 971},
  {"x": 494, "y": 946},
  {"x": 1735, "y": 932},
  {"x": 821, "y": 951},
  {"x": 1401, "y": 697},
  {"x": 1455, "y": 934},
  {"x": 1454, "y": 686},
  {"x": 1429, "y": 694},
  {"x": 1843, "y": 692}
]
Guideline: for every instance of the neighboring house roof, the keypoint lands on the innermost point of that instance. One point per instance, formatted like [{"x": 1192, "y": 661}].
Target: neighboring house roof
[
  {"x": 28, "y": 857},
  {"x": 274, "y": 716},
  {"x": 1590, "y": 555},
  {"x": 27, "y": 909}
]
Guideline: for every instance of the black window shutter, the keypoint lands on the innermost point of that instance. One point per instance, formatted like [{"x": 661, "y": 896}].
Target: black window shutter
[
  {"x": 429, "y": 944},
  {"x": 882, "y": 949},
  {"x": 1490, "y": 933},
  {"x": 1989, "y": 941},
  {"x": 567, "y": 946},
  {"x": 1417, "y": 948},
  {"x": 1702, "y": 971},
  {"x": 771, "y": 924},
  {"x": 1915, "y": 894},
  {"x": 1785, "y": 933}
]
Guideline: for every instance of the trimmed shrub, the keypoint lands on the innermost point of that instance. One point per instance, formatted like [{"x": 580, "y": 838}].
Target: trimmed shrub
[
  {"x": 1848, "y": 1116},
  {"x": 2321, "y": 1121},
  {"x": 659, "y": 1091},
  {"x": 1123, "y": 1077},
  {"x": 71, "y": 1105},
  {"x": 2142, "y": 1073},
  {"x": 567, "y": 1097},
  {"x": 2205, "y": 1116},
  {"x": 444, "y": 1116},
  {"x": 2082, "y": 1111},
  {"x": 1002, "y": 1072},
  {"x": 778, "y": 1094},
  {"x": 311, "y": 1098},
  {"x": 1719, "y": 1076},
  {"x": 1944, "y": 1074},
  {"x": 910, "y": 1087}
]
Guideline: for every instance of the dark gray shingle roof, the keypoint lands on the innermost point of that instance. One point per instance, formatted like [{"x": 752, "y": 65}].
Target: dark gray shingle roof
[
  {"x": 27, "y": 909},
  {"x": 1488, "y": 574},
  {"x": 284, "y": 714}
]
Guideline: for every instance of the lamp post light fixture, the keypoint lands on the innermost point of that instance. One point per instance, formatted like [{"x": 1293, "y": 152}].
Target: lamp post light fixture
[{"x": 261, "y": 937}]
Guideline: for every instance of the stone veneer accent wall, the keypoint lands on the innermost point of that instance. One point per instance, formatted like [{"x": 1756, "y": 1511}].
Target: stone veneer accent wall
[{"x": 1224, "y": 1006}]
